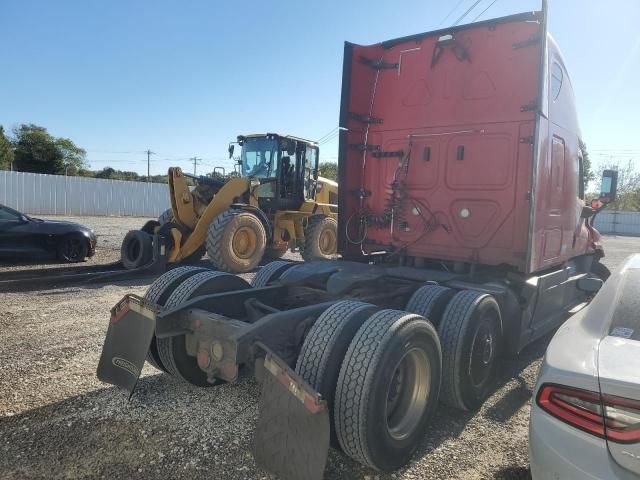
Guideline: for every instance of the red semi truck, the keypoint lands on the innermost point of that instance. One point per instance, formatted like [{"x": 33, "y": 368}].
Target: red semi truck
[{"x": 463, "y": 235}]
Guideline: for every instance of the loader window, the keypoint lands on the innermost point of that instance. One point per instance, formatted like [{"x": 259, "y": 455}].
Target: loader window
[
  {"x": 260, "y": 158},
  {"x": 310, "y": 169}
]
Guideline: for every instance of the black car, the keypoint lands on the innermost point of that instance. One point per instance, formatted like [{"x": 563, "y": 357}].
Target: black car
[{"x": 25, "y": 236}]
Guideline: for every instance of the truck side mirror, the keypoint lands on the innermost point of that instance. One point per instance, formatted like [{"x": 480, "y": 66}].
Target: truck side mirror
[
  {"x": 609, "y": 188},
  {"x": 231, "y": 149}
]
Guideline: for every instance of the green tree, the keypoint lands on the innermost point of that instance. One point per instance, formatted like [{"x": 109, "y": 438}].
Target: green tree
[
  {"x": 586, "y": 162},
  {"x": 329, "y": 170},
  {"x": 628, "y": 185},
  {"x": 6, "y": 151},
  {"x": 74, "y": 156},
  {"x": 36, "y": 150}
]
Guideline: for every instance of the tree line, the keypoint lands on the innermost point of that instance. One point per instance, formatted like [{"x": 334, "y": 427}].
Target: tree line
[{"x": 31, "y": 148}]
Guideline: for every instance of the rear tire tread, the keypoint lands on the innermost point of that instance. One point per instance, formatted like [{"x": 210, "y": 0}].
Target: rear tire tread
[
  {"x": 180, "y": 295},
  {"x": 427, "y": 301},
  {"x": 356, "y": 376},
  {"x": 452, "y": 329},
  {"x": 265, "y": 274},
  {"x": 158, "y": 293}
]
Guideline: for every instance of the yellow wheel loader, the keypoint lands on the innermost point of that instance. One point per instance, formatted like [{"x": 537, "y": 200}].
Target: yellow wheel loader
[{"x": 275, "y": 202}]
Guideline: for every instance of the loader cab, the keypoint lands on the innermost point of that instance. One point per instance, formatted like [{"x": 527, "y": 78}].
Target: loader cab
[{"x": 284, "y": 169}]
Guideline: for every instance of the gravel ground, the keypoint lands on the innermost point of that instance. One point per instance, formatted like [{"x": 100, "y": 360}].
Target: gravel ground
[{"x": 58, "y": 421}]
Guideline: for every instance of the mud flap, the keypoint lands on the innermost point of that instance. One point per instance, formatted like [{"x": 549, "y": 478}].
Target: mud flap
[
  {"x": 127, "y": 343},
  {"x": 292, "y": 435}
]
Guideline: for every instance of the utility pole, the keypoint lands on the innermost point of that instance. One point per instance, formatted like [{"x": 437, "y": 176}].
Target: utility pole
[
  {"x": 149, "y": 153},
  {"x": 195, "y": 161}
]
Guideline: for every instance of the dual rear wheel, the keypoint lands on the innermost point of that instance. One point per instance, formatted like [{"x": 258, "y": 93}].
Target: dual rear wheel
[
  {"x": 175, "y": 287},
  {"x": 382, "y": 372},
  {"x": 379, "y": 371},
  {"x": 470, "y": 331}
]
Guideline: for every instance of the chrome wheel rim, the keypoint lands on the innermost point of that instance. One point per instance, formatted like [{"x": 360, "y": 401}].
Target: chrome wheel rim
[{"x": 408, "y": 393}]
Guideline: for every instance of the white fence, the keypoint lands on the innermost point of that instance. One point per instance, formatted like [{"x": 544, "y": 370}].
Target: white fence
[
  {"x": 618, "y": 223},
  {"x": 60, "y": 195}
]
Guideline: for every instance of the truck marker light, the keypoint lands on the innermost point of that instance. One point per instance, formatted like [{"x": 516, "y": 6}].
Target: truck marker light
[{"x": 464, "y": 213}]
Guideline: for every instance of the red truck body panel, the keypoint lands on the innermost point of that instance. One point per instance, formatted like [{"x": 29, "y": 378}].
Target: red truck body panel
[{"x": 452, "y": 149}]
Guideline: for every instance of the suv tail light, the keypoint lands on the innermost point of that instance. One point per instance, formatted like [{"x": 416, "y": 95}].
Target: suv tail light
[{"x": 614, "y": 418}]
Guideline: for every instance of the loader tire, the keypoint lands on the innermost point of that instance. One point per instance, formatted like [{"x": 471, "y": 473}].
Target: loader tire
[
  {"x": 320, "y": 238},
  {"x": 236, "y": 241},
  {"x": 470, "y": 334},
  {"x": 268, "y": 273},
  {"x": 430, "y": 301},
  {"x": 157, "y": 293},
  {"x": 166, "y": 216},
  {"x": 324, "y": 349},
  {"x": 136, "y": 249},
  {"x": 173, "y": 350},
  {"x": 387, "y": 389}
]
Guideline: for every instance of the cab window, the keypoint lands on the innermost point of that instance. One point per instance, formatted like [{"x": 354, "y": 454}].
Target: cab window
[{"x": 557, "y": 77}]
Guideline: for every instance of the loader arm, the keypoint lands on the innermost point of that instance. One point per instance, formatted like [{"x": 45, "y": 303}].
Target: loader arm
[
  {"x": 232, "y": 190},
  {"x": 184, "y": 210}
]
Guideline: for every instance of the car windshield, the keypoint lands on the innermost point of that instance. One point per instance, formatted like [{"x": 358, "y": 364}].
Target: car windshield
[
  {"x": 7, "y": 213},
  {"x": 259, "y": 157}
]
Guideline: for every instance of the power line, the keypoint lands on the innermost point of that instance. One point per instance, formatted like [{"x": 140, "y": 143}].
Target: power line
[
  {"x": 329, "y": 139},
  {"x": 467, "y": 12},
  {"x": 490, "y": 5},
  {"x": 333, "y": 130},
  {"x": 196, "y": 161},
  {"x": 449, "y": 14}
]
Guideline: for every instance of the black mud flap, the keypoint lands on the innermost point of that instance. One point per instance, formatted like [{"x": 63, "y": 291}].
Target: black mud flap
[
  {"x": 128, "y": 338},
  {"x": 292, "y": 435}
]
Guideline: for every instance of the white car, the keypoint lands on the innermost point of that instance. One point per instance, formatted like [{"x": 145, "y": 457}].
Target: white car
[{"x": 585, "y": 413}]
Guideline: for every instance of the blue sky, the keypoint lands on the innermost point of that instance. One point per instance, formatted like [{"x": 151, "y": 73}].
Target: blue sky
[{"x": 183, "y": 78}]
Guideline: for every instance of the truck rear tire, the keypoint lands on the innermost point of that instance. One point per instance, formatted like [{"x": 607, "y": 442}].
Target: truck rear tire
[
  {"x": 136, "y": 249},
  {"x": 387, "y": 389},
  {"x": 270, "y": 272},
  {"x": 236, "y": 241},
  {"x": 470, "y": 334},
  {"x": 320, "y": 238},
  {"x": 157, "y": 293},
  {"x": 173, "y": 350},
  {"x": 324, "y": 349},
  {"x": 430, "y": 301}
]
